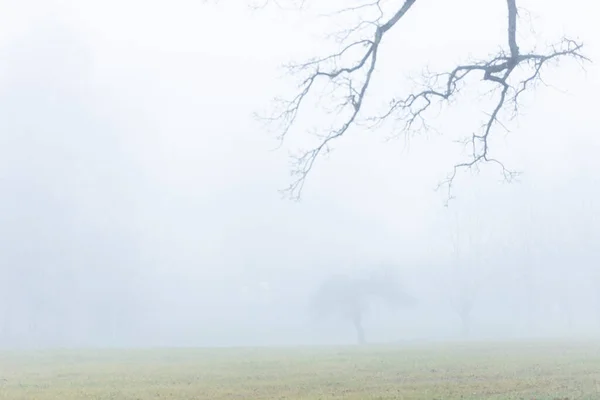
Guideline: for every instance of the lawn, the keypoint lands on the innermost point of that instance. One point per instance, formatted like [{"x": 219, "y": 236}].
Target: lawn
[{"x": 436, "y": 371}]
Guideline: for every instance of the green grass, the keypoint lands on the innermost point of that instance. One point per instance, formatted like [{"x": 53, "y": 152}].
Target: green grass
[{"x": 451, "y": 371}]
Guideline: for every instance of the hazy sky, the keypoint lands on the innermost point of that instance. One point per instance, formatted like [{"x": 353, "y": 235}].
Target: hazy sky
[{"x": 134, "y": 176}]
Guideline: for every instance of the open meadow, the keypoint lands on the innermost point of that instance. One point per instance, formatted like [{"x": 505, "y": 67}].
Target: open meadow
[{"x": 548, "y": 370}]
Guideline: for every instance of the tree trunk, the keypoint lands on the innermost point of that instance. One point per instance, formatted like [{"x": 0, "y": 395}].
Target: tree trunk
[
  {"x": 360, "y": 332},
  {"x": 464, "y": 313},
  {"x": 465, "y": 318}
]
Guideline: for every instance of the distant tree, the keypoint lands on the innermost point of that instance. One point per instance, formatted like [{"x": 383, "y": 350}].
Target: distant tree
[
  {"x": 339, "y": 82},
  {"x": 466, "y": 270},
  {"x": 350, "y": 298},
  {"x": 529, "y": 266},
  {"x": 53, "y": 236},
  {"x": 464, "y": 295},
  {"x": 463, "y": 304}
]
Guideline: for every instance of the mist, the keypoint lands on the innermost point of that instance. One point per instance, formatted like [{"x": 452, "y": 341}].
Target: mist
[{"x": 140, "y": 203}]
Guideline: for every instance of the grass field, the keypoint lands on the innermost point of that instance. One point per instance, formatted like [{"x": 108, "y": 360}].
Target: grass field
[{"x": 438, "y": 371}]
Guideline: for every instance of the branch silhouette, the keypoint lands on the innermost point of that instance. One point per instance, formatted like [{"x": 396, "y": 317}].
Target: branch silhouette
[{"x": 354, "y": 77}]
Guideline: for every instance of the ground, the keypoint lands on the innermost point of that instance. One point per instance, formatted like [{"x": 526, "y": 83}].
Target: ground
[{"x": 544, "y": 371}]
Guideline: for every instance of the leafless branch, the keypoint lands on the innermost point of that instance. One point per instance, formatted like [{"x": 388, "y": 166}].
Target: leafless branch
[{"x": 439, "y": 88}]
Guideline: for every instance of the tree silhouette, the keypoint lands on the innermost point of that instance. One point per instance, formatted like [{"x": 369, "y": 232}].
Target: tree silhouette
[
  {"x": 349, "y": 72},
  {"x": 350, "y": 298}
]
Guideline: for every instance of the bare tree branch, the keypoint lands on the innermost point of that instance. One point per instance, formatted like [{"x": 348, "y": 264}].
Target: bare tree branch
[{"x": 355, "y": 76}]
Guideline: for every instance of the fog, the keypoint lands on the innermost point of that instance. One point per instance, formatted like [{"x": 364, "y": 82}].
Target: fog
[{"x": 140, "y": 203}]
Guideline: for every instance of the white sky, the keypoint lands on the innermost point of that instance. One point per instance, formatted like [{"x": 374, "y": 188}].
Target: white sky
[{"x": 175, "y": 85}]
